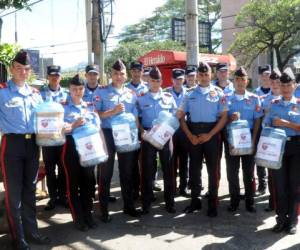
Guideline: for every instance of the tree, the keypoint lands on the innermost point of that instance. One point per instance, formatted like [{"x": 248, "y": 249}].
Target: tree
[
  {"x": 130, "y": 51},
  {"x": 158, "y": 26},
  {"x": 268, "y": 26},
  {"x": 17, "y": 4}
]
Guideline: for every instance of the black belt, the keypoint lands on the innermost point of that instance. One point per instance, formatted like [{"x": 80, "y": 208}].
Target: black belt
[
  {"x": 23, "y": 136},
  {"x": 295, "y": 138},
  {"x": 202, "y": 124}
]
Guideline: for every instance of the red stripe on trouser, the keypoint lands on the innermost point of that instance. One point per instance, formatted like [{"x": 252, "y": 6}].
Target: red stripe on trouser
[
  {"x": 10, "y": 219},
  {"x": 68, "y": 182},
  {"x": 217, "y": 174}
]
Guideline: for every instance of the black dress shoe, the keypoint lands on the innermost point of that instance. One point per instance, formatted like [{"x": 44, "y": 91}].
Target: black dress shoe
[
  {"x": 50, "y": 205},
  {"x": 291, "y": 229},
  {"x": 232, "y": 208},
  {"x": 184, "y": 193},
  {"x": 195, "y": 205},
  {"x": 132, "y": 212},
  {"x": 105, "y": 217},
  {"x": 260, "y": 192},
  {"x": 145, "y": 210},
  {"x": 279, "y": 227},
  {"x": 170, "y": 209},
  {"x": 20, "y": 245},
  {"x": 156, "y": 187},
  {"x": 269, "y": 209},
  {"x": 212, "y": 212},
  {"x": 90, "y": 222},
  {"x": 81, "y": 226},
  {"x": 250, "y": 208},
  {"x": 112, "y": 198},
  {"x": 39, "y": 239}
]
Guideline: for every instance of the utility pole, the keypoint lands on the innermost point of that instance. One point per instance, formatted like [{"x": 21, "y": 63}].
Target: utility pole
[
  {"x": 88, "y": 15},
  {"x": 192, "y": 35},
  {"x": 16, "y": 32},
  {"x": 96, "y": 32},
  {"x": 102, "y": 42},
  {"x": 1, "y": 23}
]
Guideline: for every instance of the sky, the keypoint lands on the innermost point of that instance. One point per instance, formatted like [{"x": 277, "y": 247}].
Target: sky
[{"x": 62, "y": 23}]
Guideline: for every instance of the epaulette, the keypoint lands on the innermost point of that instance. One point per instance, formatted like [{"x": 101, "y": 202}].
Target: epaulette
[
  {"x": 275, "y": 101},
  {"x": 3, "y": 85},
  {"x": 191, "y": 88},
  {"x": 167, "y": 94},
  {"x": 167, "y": 89},
  {"x": 35, "y": 90},
  {"x": 263, "y": 96}
]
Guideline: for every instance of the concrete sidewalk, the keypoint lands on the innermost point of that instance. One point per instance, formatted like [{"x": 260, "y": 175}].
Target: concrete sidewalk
[{"x": 160, "y": 230}]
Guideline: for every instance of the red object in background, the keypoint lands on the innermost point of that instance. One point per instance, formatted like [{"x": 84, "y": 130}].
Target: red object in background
[
  {"x": 166, "y": 60},
  {"x": 41, "y": 173}
]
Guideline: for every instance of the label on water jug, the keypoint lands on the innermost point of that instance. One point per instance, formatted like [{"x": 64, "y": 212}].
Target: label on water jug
[
  {"x": 121, "y": 134},
  {"x": 241, "y": 138},
  {"x": 162, "y": 133},
  {"x": 90, "y": 147},
  {"x": 49, "y": 125},
  {"x": 269, "y": 148}
]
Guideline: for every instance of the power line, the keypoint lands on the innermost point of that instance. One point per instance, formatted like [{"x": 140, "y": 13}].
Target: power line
[
  {"x": 56, "y": 45},
  {"x": 29, "y": 5}
]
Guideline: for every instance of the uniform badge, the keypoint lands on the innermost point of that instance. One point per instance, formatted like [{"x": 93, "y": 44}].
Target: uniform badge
[
  {"x": 97, "y": 98},
  {"x": 257, "y": 108},
  {"x": 212, "y": 93},
  {"x": 223, "y": 100}
]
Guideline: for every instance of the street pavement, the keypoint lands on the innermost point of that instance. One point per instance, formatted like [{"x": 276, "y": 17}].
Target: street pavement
[{"x": 160, "y": 230}]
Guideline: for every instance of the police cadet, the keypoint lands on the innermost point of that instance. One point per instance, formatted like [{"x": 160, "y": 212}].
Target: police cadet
[
  {"x": 150, "y": 106},
  {"x": 284, "y": 114},
  {"x": 222, "y": 80},
  {"x": 115, "y": 99},
  {"x": 139, "y": 87},
  {"x": 92, "y": 78},
  {"x": 266, "y": 101},
  {"x": 265, "y": 88},
  {"x": 56, "y": 184},
  {"x": 80, "y": 180},
  {"x": 245, "y": 106},
  {"x": 180, "y": 142},
  {"x": 206, "y": 105},
  {"x": 190, "y": 76},
  {"x": 20, "y": 154}
]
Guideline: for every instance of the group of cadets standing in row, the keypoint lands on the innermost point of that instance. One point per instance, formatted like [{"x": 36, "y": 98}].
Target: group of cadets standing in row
[{"x": 203, "y": 107}]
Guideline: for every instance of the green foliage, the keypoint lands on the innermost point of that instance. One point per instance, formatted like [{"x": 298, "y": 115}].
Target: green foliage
[
  {"x": 269, "y": 25},
  {"x": 158, "y": 26},
  {"x": 130, "y": 51},
  {"x": 7, "y": 53},
  {"x": 17, "y": 4}
]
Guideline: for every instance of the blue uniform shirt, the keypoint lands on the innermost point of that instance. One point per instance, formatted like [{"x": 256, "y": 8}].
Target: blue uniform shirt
[
  {"x": 17, "y": 108},
  {"x": 297, "y": 91},
  {"x": 109, "y": 97},
  {"x": 206, "y": 106},
  {"x": 228, "y": 90},
  {"x": 249, "y": 107},
  {"x": 60, "y": 96},
  {"x": 149, "y": 106},
  {"x": 284, "y": 110},
  {"x": 259, "y": 92},
  {"x": 177, "y": 97},
  {"x": 90, "y": 95},
  {"x": 83, "y": 110},
  {"x": 266, "y": 101},
  {"x": 139, "y": 89}
]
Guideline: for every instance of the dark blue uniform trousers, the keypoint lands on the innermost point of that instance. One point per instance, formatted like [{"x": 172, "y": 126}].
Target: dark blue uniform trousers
[
  {"x": 126, "y": 163},
  {"x": 148, "y": 168},
  {"x": 286, "y": 181},
  {"x": 20, "y": 162},
  {"x": 56, "y": 184},
  {"x": 80, "y": 181}
]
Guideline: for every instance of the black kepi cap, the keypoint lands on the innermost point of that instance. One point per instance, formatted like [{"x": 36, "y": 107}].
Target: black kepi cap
[
  {"x": 275, "y": 74},
  {"x": 240, "y": 72},
  {"x": 119, "y": 65},
  {"x": 287, "y": 76},
  {"x": 93, "y": 68},
  {"x": 22, "y": 57},
  {"x": 136, "y": 65},
  {"x": 178, "y": 74},
  {"x": 203, "y": 67},
  {"x": 77, "y": 80},
  {"x": 155, "y": 73}
]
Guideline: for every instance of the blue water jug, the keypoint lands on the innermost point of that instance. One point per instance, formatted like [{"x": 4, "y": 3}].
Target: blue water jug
[
  {"x": 239, "y": 138},
  {"x": 49, "y": 123},
  {"x": 164, "y": 126},
  {"x": 270, "y": 148},
  {"x": 125, "y": 132},
  {"x": 90, "y": 145}
]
